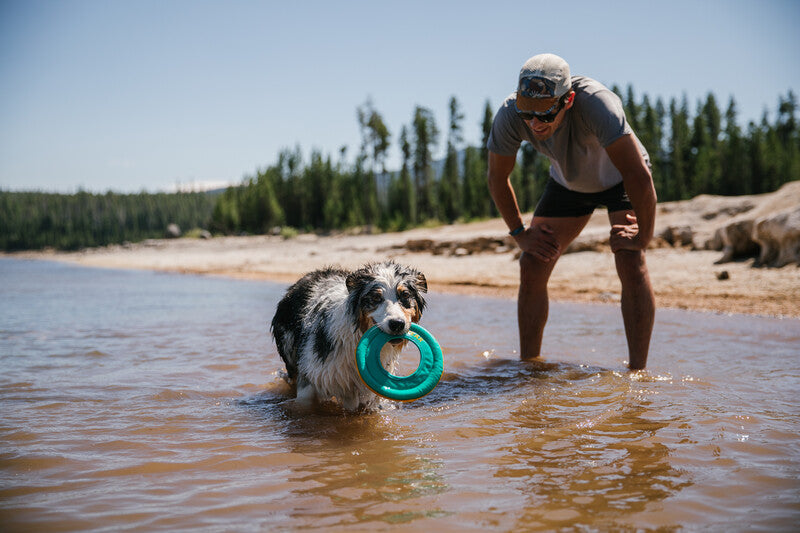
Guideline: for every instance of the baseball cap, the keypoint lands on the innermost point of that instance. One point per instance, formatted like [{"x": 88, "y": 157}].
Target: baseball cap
[{"x": 542, "y": 76}]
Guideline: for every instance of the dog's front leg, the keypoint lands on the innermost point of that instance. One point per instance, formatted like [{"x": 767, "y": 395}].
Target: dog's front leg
[
  {"x": 350, "y": 403},
  {"x": 306, "y": 393}
]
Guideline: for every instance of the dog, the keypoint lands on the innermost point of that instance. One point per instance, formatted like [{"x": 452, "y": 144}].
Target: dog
[{"x": 321, "y": 319}]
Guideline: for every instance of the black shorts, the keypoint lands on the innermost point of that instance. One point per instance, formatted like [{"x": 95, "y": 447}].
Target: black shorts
[{"x": 558, "y": 201}]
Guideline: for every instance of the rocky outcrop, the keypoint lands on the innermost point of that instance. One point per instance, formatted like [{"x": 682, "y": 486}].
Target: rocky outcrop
[
  {"x": 779, "y": 238},
  {"x": 477, "y": 245},
  {"x": 762, "y": 226},
  {"x": 736, "y": 241},
  {"x": 771, "y": 230}
]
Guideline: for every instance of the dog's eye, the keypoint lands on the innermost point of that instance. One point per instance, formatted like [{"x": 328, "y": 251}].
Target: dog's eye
[
  {"x": 405, "y": 298},
  {"x": 373, "y": 298}
]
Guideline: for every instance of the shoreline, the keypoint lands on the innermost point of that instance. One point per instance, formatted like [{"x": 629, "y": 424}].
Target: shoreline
[{"x": 682, "y": 278}]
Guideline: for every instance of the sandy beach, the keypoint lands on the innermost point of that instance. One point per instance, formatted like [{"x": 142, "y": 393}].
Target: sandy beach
[{"x": 477, "y": 258}]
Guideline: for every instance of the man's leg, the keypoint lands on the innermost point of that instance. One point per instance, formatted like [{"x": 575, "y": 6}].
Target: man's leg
[
  {"x": 638, "y": 300},
  {"x": 533, "y": 304}
]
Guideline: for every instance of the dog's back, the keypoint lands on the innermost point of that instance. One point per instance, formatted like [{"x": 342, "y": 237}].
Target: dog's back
[{"x": 293, "y": 319}]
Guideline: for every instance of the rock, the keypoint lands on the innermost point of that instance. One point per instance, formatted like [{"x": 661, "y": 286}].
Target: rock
[
  {"x": 419, "y": 245},
  {"x": 173, "y": 231},
  {"x": 587, "y": 244},
  {"x": 477, "y": 245},
  {"x": 779, "y": 238},
  {"x": 678, "y": 235},
  {"x": 737, "y": 241},
  {"x": 715, "y": 242},
  {"x": 729, "y": 210},
  {"x": 775, "y": 240}
]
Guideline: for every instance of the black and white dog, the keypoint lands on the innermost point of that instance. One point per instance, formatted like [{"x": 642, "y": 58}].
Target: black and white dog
[{"x": 322, "y": 317}]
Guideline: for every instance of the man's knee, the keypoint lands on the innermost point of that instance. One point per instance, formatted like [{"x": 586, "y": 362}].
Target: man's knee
[
  {"x": 533, "y": 270},
  {"x": 631, "y": 266}
]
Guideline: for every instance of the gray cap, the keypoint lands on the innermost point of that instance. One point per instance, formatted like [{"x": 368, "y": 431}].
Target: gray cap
[{"x": 542, "y": 76}]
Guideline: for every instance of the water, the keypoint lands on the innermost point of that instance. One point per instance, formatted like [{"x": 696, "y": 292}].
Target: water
[{"x": 154, "y": 402}]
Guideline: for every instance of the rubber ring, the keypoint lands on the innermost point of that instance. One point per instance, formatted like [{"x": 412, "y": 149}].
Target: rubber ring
[{"x": 402, "y": 388}]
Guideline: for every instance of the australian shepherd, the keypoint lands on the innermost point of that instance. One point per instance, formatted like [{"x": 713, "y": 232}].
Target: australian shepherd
[{"x": 322, "y": 317}]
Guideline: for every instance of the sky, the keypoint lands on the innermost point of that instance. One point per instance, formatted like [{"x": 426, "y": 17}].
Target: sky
[{"x": 151, "y": 95}]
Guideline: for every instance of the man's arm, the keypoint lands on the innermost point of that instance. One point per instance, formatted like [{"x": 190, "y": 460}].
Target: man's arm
[
  {"x": 625, "y": 154},
  {"x": 500, "y": 167},
  {"x": 539, "y": 240}
]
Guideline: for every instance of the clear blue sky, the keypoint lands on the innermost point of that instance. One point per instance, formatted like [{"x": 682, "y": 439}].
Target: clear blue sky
[{"x": 132, "y": 95}]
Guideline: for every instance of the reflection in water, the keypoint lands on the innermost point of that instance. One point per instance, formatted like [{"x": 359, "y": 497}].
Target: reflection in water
[
  {"x": 155, "y": 402},
  {"x": 590, "y": 455},
  {"x": 357, "y": 468}
]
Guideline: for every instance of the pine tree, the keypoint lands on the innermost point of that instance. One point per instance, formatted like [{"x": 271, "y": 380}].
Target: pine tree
[
  {"x": 528, "y": 192},
  {"x": 450, "y": 194},
  {"x": 486, "y": 128},
  {"x": 632, "y": 110},
  {"x": 476, "y": 195},
  {"x": 425, "y": 136},
  {"x": 789, "y": 137},
  {"x": 406, "y": 197},
  {"x": 733, "y": 173},
  {"x": 679, "y": 152},
  {"x": 374, "y": 145}
]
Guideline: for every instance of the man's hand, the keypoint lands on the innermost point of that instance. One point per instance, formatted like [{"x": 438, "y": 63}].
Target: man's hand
[
  {"x": 539, "y": 241},
  {"x": 626, "y": 236}
]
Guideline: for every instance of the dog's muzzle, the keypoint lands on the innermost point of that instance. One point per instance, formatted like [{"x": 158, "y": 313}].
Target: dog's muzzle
[{"x": 396, "y": 327}]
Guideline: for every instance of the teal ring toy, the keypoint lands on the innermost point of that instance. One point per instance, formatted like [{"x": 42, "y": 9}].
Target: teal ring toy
[{"x": 402, "y": 388}]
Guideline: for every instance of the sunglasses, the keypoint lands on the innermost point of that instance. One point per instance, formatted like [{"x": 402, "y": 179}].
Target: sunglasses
[{"x": 546, "y": 116}]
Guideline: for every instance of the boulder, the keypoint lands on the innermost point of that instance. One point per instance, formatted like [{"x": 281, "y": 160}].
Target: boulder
[
  {"x": 678, "y": 235},
  {"x": 768, "y": 230},
  {"x": 737, "y": 241},
  {"x": 173, "y": 231},
  {"x": 778, "y": 236}
]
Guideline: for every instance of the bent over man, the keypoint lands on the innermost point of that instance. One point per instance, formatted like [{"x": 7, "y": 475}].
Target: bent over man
[{"x": 595, "y": 159}]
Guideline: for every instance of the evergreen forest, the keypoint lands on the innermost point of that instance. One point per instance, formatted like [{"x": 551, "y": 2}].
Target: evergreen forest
[
  {"x": 35, "y": 220},
  {"x": 703, "y": 150}
]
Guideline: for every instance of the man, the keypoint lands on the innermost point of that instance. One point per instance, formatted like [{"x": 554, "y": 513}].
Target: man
[{"x": 595, "y": 159}]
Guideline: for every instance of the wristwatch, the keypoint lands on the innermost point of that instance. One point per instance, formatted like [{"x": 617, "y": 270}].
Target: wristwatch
[{"x": 516, "y": 231}]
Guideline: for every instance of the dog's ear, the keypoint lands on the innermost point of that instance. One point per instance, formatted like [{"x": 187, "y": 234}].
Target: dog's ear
[
  {"x": 422, "y": 282},
  {"x": 355, "y": 280},
  {"x": 419, "y": 286},
  {"x": 355, "y": 283}
]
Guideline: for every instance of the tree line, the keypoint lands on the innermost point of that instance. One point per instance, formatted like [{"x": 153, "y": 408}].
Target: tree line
[
  {"x": 704, "y": 151},
  {"x": 35, "y": 220},
  {"x": 692, "y": 152}
]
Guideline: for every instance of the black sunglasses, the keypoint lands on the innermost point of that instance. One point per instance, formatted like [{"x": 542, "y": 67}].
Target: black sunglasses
[{"x": 546, "y": 116}]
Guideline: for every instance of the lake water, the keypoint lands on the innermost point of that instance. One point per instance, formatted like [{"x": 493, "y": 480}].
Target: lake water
[{"x": 153, "y": 402}]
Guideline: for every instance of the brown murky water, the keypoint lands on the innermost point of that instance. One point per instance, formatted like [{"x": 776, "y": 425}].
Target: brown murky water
[{"x": 153, "y": 402}]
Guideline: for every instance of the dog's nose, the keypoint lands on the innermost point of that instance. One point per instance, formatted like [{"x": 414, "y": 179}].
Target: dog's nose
[{"x": 396, "y": 327}]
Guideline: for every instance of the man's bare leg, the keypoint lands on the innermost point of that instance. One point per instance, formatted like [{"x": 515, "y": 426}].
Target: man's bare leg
[
  {"x": 638, "y": 301},
  {"x": 533, "y": 302}
]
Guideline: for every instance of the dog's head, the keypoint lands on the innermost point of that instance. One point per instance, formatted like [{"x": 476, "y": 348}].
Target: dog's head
[{"x": 387, "y": 295}]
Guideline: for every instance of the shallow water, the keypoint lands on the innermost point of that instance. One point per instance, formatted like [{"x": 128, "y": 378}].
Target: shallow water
[{"x": 149, "y": 401}]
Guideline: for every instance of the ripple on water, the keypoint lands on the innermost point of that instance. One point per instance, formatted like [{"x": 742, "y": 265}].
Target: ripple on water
[{"x": 156, "y": 402}]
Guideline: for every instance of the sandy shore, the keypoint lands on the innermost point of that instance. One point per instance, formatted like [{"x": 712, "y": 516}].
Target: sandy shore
[{"x": 681, "y": 278}]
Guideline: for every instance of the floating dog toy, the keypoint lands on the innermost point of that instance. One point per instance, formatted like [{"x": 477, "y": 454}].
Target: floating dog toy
[{"x": 403, "y": 388}]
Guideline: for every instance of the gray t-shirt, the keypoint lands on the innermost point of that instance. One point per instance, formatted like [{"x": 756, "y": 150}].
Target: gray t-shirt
[{"x": 578, "y": 159}]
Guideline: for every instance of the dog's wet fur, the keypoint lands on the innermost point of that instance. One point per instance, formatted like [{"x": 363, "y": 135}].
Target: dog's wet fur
[{"x": 322, "y": 317}]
